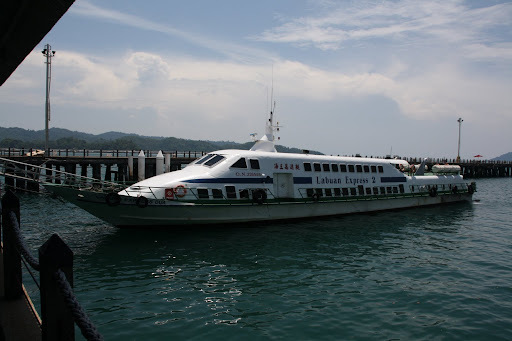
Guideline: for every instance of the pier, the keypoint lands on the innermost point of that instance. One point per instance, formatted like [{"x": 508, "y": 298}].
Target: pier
[
  {"x": 60, "y": 310},
  {"x": 129, "y": 166},
  {"x": 119, "y": 166}
]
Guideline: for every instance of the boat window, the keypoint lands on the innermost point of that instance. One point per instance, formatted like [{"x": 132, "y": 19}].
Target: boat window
[
  {"x": 326, "y": 167},
  {"x": 359, "y": 168},
  {"x": 255, "y": 164},
  {"x": 351, "y": 168},
  {"x": 334, "y": 167},
  {"x": 383, "y": 190},
  {"x": 368, "y": 191},
  {"x": 217, "y": 193},
  {"x": 307, "y": 166},
  {"x": 366, "y": 169},
  {"x": 240, "y": 163},
  {"x": 231, "y": 192},
  {"x": 319, "y": 192},
  {"x": 352, "y": 191},
  {"x": 328, "y": 192},
  {"x": 214, "y": 160},
  {"x": 337, "y": 192},
  {"x": 317, "y": 167},
  {"x": 344, "y": 191},
  {"x": 360, "y": 189},
  {"x": 402, "y": 189},
  {"x": 343, "y": 168},
  {"x": 375, "y": 190},
  {"x": 204, "y": 158},
  {"x": 202, "y": 193},
  {"x": 395, "y": 189},
  {"x": 374, "y": 169},
  {"x": 310, "y": 192},
  {"x": 381, "y": 169},
  {"x": 389, "y": 190}
]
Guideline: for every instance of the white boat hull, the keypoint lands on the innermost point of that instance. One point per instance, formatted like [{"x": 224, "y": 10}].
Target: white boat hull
[{"x": 173, "y": 213}]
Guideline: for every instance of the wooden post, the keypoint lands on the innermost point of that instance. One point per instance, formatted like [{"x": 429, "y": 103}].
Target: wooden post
[
  {"x": 96, "y": 171},
  {"x": 20, "y": 172},
  {"x": 58, "y": 174},
  {"x": 12, "y": 258},
  {"x": 108, "y": 172},
  {"x": 9, "y": 169},
  {"x": 130, "y": 168},
  {"x": 58, "y": 323}
]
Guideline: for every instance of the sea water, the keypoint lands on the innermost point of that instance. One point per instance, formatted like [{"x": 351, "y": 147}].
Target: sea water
[{"x": 433, "y": 273}]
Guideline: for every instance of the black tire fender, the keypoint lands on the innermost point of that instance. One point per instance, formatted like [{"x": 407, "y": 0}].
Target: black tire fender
[
  {"x": 113, "y": 199},
  {"x": 142, "y": 202}
]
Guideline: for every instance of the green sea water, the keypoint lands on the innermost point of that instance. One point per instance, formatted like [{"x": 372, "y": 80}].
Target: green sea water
[{"x": 435, "y": 273}]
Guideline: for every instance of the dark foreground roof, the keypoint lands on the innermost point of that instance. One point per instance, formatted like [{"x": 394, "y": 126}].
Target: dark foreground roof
[{"x": 23, "y": 24}]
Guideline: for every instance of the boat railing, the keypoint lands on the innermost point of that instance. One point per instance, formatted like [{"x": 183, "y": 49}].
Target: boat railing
[
  {"x": 317, "y": 194},
  {"x": 45, "y": 176}
]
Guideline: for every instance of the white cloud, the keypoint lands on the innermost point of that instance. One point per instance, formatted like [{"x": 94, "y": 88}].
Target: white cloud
[{"x": 400, "y": 21}]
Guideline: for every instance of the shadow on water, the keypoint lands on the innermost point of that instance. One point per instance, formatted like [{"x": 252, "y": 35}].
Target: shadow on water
[{"x": 283, "y": 237}]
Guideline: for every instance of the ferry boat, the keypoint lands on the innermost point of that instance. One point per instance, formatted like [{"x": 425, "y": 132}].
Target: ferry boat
[{"x": 261, "y": 184}]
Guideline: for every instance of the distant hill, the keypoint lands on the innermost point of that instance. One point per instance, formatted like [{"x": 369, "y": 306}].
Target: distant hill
[
  {"x": 504, "y": 157},
  {"x": 63, "y": 138}
]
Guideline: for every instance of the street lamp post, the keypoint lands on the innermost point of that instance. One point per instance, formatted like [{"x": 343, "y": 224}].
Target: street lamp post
[
  {"x": 49, "y": 54},
  {"x": 460, "y": 120}
]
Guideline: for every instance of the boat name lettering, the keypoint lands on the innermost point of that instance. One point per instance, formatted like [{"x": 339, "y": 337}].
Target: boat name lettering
[
  {"x": 287, "y": 166},
  {"x": 248, "y": 174},
  {"x": 327, "y": 180},
  {"x": 356, "y": 181}
]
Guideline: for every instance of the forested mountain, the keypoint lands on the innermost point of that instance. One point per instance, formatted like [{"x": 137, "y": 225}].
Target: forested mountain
[
  {"x": 504, "y": 157},
  {"x": 63, "y": 138}
]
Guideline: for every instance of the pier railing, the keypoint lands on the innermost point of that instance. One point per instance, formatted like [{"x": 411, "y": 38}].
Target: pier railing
[
  {"x": 84, "y": 153},
  {"x": 60, "y": 309}
]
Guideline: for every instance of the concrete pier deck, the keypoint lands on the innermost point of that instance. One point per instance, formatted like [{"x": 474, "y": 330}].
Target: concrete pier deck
[{"x": 18, "y": 318}]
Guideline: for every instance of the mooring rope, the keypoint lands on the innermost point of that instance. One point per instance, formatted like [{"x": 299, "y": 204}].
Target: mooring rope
[
  {"x": 82, "y": 320},
  {"x": 20, "y": 243}
]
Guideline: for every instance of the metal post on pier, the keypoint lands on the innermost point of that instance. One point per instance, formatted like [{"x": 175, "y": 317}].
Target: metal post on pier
[
  {"x": 49, "y": 54},
  {"x": 460, "y": 120}
]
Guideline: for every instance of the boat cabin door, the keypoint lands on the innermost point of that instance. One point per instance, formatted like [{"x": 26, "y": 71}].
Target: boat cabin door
[{"x": 283, "y": 185}]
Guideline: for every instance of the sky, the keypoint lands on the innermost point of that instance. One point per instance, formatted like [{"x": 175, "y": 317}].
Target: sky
[{"x": 346, "y": 77}]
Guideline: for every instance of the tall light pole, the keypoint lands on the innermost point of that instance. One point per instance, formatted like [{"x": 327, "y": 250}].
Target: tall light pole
[
  {"x": 460, "y": 120},
  {"x": 49, "y": 54}
]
